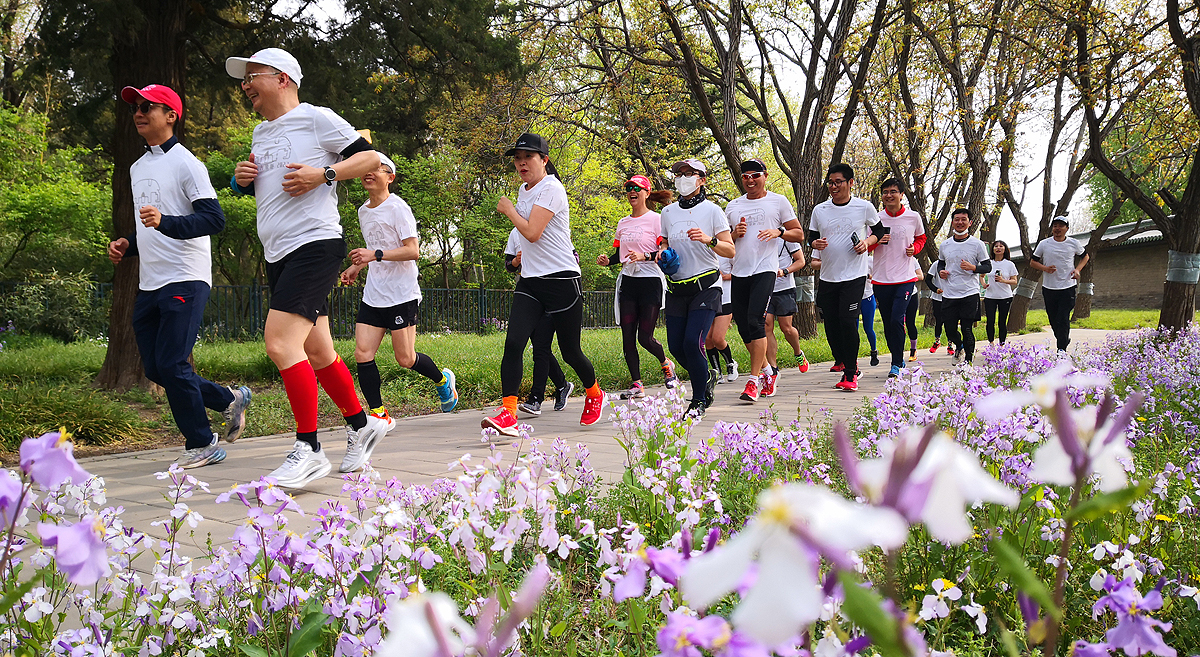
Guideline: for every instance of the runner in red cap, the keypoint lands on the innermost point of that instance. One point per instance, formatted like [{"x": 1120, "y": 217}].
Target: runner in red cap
[
  {"x": 640, "y": 286},
  {"x": 177, "y": 210}
]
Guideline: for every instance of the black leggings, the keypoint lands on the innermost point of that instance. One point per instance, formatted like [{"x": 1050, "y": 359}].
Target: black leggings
[
  {"x": 1059, "y": 304},
  {"x": 685, "y": 337},
  {"x": 910, "y": 315},
  {"x": 640, "y": 300},
  {"x": 839, "y": 303},
  {"x": 937, "y": 320},
  {"x": 545, "y": 365},
  {"x": 992, "y": 307},
  {"x": 562, "y": 299}
]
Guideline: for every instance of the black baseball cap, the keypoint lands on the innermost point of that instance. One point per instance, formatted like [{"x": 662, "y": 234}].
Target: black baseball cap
[
  {"x": 754, "y": 164},
  {"x": 529, "y": 142}
]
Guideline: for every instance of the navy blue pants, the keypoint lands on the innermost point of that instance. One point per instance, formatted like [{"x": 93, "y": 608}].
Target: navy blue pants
[
  {"x": 893, "y": 306},
  {"x": 165, "y": 323},
  {"x": 685, "y": 339}
]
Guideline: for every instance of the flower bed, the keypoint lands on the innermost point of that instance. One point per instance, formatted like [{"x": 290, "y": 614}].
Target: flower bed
[{"x": 1023, "y": 505}]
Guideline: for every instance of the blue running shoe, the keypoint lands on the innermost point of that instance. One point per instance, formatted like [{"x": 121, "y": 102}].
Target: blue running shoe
[
  {"x": 448, "y": 392},
  {"x": 895, "y": 372}
]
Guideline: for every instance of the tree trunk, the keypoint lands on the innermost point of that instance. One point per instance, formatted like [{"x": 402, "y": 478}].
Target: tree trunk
[
  {"x": 1083, "y": 302},
  {"x": 1019, "y": 311},
  {"x": 149, "y": 49},
  {"x": 925, "y": 308},
  {"x": 806, "y": 319},
  {"x": 1179, "y": 305}
]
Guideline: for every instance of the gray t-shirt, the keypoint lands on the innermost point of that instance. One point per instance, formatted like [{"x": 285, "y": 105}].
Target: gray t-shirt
[{"x": 694, "y": 257}]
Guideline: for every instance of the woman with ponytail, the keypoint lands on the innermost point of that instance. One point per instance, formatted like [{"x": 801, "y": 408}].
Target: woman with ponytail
[
  {"x": 694, "y": 232},
  {"x": 640, "y": 285},
  {"x": 549, "y": 282}
]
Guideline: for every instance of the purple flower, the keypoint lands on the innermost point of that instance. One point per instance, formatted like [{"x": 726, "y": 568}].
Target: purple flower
[
  {"x": 633, "y": 583},
  {"x": 50, "y": 461},
  {"x": 12, "y": 499},
  {"x": 80, "y": 551},
  {"x": 1135, "y": 631},
  {"x": 685, "y": 635},
  {"x": 666, "y": 563},
  {"x": 1085, "y": 649}
]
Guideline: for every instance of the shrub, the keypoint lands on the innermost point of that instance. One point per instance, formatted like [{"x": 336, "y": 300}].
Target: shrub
[{"x": 59, "y": 305}]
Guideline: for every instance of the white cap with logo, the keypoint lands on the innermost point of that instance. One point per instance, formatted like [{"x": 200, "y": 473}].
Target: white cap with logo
[
  {"x": 276, "y": 58},
  {"x": 387, "y": 161}
]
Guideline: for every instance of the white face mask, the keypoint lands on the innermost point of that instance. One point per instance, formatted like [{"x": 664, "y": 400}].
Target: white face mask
[
  {"x": 961, "y": 234},
  {"x": 687, "y": 185}
]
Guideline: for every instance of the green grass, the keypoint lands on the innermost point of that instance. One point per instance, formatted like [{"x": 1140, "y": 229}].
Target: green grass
[{"x": 45, "y": 384}]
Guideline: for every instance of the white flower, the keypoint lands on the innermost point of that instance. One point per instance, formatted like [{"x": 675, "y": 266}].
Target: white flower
[
  {"x": 1106, "y": 458},
  {"x": 409, "y": 631},
  {"x": 1191, "y": 592},
  {"x": 947, "y": 480},
  {"x": 976, "y": 611},
  {"x": 935, "y": 606},
  {"x": 1103, "y": 549},
  {"x": 1042, "y": 391},
  {"x": 1097, "y": 580},
  {"x": 793, "y": 522}
]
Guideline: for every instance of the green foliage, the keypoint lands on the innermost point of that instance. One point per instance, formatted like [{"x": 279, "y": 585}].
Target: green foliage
[
  {"x": 58, "y": 305},
  {"x": 93, "y": 417}
]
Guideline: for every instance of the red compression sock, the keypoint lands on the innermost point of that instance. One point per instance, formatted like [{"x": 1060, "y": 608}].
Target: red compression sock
[
  {"x": 300, "y": 384},
  {"x": 338, "y": 384}
]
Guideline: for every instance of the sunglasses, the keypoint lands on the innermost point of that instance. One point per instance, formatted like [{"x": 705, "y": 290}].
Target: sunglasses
[
  {"x": 248, "y": 78},
  {"x": 630, "y": 187},
  {"x": 144, "y": 107},
  {"x": 753, "y": 175}
]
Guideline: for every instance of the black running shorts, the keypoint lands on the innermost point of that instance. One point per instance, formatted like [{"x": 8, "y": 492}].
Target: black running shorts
[
  {"x": 782, "y": 303},
  {"x": 300, "y": 282},
  {"x": 393, "y": 318}
]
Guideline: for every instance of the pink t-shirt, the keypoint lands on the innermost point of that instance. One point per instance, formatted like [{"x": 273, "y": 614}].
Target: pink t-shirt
[
  {"x": 639, "y": 234},
  {"x": 892, "y": 264}
]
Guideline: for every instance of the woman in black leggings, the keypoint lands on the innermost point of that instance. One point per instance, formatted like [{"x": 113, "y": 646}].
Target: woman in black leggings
[
  {"x": 549, "y": 282},
  {"x": 998, "y": 291},
  {"x": 695, "y": 231},
  {"x": 640, "y": 285}
]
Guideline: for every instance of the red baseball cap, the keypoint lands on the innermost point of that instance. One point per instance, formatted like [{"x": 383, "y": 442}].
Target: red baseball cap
[
  {"x": 640, "y": 181},
  {"x": 155, "y": 93}
]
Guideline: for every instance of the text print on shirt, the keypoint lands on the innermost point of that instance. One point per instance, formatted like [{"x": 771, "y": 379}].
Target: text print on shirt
[{"x": 277, "y": 154}]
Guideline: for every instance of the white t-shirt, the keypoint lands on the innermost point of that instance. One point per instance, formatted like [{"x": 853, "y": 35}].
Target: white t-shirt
[
  {"x": 1062, "y": 255},
  {"x": 754, "y": 256},
  {"x": 694, "y": 257},
  {"x": 839, "y": 262},
  {"x": 386, "y": 226},
  {"x": 170, "y": 181},
  {"x": 996, "y": 289},
  {"x": 306, "y": 135},
  {"x": 785, "y": 260},
  {"x": 892, "y": 262},
  {"x": 962, "y": 283},
  {"x": 937, "y": 282},
  {"x": 725, "y": 266},
  {"x": 554, "y": 251},
  {"x": 638, "y": 234}
]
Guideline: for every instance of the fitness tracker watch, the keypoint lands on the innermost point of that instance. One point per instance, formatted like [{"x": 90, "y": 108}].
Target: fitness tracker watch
[
  {"x": 378, "y": 255},
  {"x": 330, "y": 175}
]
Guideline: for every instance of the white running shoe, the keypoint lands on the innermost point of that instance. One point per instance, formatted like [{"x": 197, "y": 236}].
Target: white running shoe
[
  {"x": 301, "y": 466},
  {"x": 731, "y": 372},
  {"x": 360, "y": 444},
  {"x": 201, "y": 456}
]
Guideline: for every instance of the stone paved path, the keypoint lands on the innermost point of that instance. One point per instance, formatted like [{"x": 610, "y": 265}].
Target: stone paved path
[{"x": 419, "y": 448}]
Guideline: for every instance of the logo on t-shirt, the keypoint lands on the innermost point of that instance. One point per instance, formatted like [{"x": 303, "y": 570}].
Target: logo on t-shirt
[
  {"x": 276, "y": 154},
  {"x": 146, "y": 192}
]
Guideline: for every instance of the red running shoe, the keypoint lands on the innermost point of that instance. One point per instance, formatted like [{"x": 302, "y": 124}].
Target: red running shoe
[
  {"x": 934, "y": 348},
  {"x": 750, "y": 394},
  {"x": 803, "y": 363},
  {"x": 837, "y": 367},
  {"x": 768, "y": 386},
  {"x": 949, "y": 350},
  {"x": 504, "y": 422},
  {"x": 593, "y": 405},
  {"x": 849, "y": 384}
]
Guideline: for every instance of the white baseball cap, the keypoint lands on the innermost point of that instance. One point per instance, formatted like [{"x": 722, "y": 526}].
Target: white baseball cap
[
  {"x": 276, "y": 58},
  {"x": 383, "y": 159}
]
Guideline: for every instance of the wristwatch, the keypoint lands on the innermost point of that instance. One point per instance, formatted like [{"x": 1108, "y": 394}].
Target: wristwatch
[
  {"x": 378, "y": 255},
  {"x": 330, "y": 175},
  {"x": 712, "y": 244}
]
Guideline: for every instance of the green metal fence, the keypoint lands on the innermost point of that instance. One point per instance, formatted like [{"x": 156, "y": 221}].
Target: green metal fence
[{"x": 237, "y": 312}]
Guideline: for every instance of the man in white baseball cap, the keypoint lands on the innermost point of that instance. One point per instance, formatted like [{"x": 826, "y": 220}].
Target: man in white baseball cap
[
  {"x": 297, "y": 155},
  {"x": 276, "y": 58}
]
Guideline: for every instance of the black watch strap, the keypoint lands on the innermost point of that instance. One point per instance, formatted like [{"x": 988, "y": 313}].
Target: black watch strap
[
  {"x": 330, "y": 175},
  {"x": 378, "y": 255}
]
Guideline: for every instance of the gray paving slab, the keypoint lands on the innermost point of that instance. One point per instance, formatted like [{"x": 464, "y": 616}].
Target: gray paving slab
[{"x": 420, "y": 448}]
